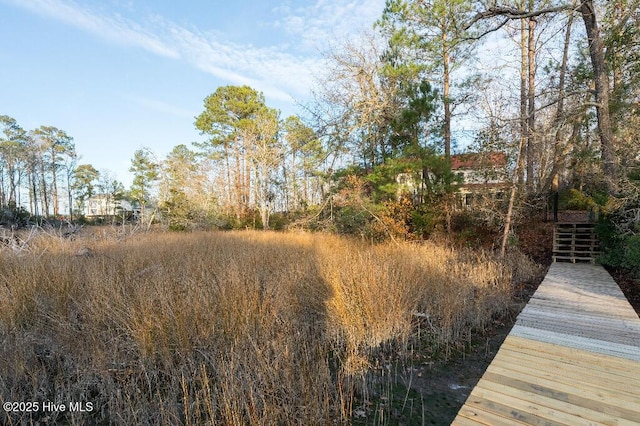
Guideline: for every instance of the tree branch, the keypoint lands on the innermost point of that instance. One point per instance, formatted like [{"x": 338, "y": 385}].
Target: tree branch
[{"x": 511, "y": 13}]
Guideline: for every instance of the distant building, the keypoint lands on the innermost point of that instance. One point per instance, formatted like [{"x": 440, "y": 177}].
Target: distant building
[
  {"x": 103, "y": 205},
  {"x": 480, "y": 174}
]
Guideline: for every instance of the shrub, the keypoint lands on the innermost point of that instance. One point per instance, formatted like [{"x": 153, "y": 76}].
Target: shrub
[{"x": 618, "y": 250}]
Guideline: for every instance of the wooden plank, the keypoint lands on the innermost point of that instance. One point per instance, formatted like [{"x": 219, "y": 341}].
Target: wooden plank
[
  {"x": 595, "y": 319},
  {"x": 512, "y": 409},
  {"x": 461, "y": 420},
  {"x": 583, "y": 308},
  {"x": 608, "y": 364},
  {"x": 560, "y": 381},
  {"x": 567, "y": 293},
  {"x": 574, "y": 370},
  {"x": 570, "y": 290},
  {"x": 487, "y": 412},
  {"x": 568, "y": 410},
  {"x": 595, "y": 399},
  {"x": 578, "y": 342},
  {"x": 582, "y": 323},
  {"x": 587, "y": 329},
  {"x": 509, "y": 401},
  {"x": 576, "y": 308}
]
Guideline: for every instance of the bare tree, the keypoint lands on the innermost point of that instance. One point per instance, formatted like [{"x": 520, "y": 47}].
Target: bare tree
[{"x": 596, "y": 50}]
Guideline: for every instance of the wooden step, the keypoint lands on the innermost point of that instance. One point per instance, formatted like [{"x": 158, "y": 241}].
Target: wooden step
[{"x": 575, "y": 242}]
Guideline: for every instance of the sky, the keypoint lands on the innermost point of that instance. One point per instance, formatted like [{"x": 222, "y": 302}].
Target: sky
[{"x": 119, "y": 75}]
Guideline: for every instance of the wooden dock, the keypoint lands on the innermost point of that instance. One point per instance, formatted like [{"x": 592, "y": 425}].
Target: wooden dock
[{"x": 572, "y": 358}]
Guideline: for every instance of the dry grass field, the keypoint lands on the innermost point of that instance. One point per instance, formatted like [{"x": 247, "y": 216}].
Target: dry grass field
[{"x": 229, "y": 328}]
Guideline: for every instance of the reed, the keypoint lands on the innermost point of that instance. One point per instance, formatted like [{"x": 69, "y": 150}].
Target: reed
[{"x": 226, "y": 328}]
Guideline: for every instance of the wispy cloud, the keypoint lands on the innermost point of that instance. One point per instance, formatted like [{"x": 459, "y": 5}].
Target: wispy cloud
[
  {"x": 282, "y": 72},
  {"x": 324, "y": 20},
  {"x": 114, "y": 28},
  {"x": 278, "y": 74}
]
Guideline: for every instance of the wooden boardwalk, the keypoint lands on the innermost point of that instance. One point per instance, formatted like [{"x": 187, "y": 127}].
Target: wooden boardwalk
[{"x": 572, "y": 358}]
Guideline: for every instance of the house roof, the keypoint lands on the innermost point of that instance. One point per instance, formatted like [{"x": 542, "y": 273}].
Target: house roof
[{"x": 476, "y": 161}]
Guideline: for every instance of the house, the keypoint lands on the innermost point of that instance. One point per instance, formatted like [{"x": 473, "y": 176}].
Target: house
[
  {"x": 480, "y": 174},
  {"x": 102, "y": 205}
]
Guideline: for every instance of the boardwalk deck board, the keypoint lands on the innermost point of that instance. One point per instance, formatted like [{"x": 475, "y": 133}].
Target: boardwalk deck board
[{"x": 572, "y": 358}]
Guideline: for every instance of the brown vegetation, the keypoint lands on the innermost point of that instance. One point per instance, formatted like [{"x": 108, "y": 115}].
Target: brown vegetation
[{"x": 228, "y": 328}]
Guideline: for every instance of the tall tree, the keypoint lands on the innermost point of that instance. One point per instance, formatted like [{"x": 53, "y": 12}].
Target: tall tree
[
  {"x": 266, "y": 154},
  {"x": 57, "y": 145},
  {"x": 304, "y": 153},
  {"x": 69, "y": 167},
  {"x": 112, "y": 192},
  {"x": 621, "y": 36},
  {"x": 145, "y": 171},
  {"x": 601, "y": 82},
  {"x": 429, "y": 33},
  {"x": 185, "y": 199},
  {"x": 33, "y": 159},
  {"x": 12, "y": 155},
  {"x": 357, "y": 101},
  {"x": 84, "y": 181},
  {"x": 227, "y": 112},
  {"x": 587, "y": 11}
]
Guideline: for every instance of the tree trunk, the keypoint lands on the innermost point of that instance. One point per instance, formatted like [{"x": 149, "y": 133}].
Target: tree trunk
[
  {"x": 54, "y": 187},
  {"x": 70, "y": 195},
  {"x": 605, "y": 130},
  {"x": 523, "y": 98},
  {"x": 45, "y": 197},
  {"x": 512, "y": 198},
  {"x": 531, "y": 105},
  {"x": 446, "y": 95},
  {"x": 554, "y": 179},
  {"x": 237, "y": 181},
  {"x": 228, "y": 176}
]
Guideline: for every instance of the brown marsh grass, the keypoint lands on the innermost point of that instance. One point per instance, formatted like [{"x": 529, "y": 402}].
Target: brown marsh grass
[{"x": 227, "y": 328}]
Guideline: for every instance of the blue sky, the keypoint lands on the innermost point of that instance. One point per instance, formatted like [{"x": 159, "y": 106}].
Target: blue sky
[{"x": 118, "y": 75}]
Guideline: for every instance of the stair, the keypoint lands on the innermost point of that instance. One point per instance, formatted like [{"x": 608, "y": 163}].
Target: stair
[{"x": 575, "y": 243}]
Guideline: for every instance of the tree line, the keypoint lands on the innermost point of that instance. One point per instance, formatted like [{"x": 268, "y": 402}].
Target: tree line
[{"x": 38, "y": 164}]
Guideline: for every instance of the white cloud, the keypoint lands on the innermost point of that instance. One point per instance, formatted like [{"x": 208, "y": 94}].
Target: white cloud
[
  {"x": 113, "y": 28},
  {"x": 325, "y": 20},
  {"x": 279, "y": 75}
]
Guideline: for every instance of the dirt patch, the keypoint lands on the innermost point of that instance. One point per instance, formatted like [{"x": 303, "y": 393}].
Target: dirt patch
[{"x": 446, "y": 385}]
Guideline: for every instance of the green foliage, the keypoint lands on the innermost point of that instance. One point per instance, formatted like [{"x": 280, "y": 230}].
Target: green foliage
[
  {"x": 14, "y": 216},
  {"x": 85, "y": 177},
  {"x": 574, "y": 199},
  {"x": 384, "y": 181},
  {"x": 145, "y": 173},
  {"x": 227, "y": 111},
  {"x": 618, "y": 250},
  {"x": 410, "y": 125},
  {"x": 351, "y": 220},
  {"x": 424, "y": 221},
  {"x": 632, "y": 253}
]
